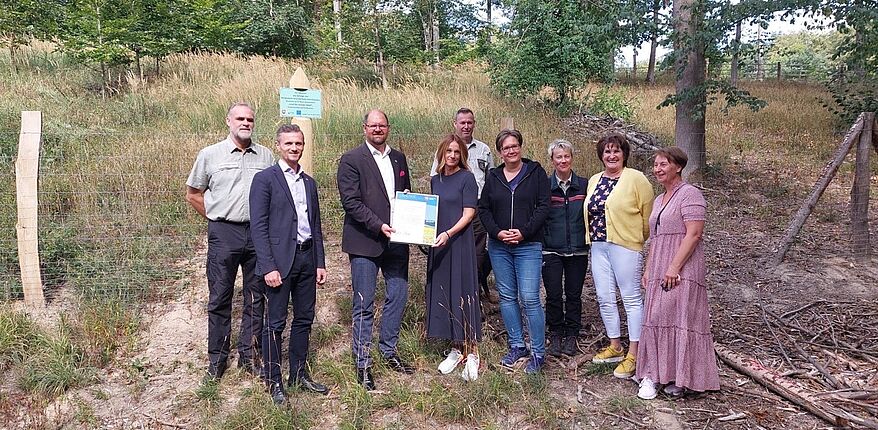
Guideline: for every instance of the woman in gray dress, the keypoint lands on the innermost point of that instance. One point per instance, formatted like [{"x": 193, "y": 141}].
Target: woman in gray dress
[{"x": 452, "y": 284}]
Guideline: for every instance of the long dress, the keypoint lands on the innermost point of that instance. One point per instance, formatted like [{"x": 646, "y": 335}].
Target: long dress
[
  {"x": 452, "y": 285},
  {"x": 676, "y": 344}
]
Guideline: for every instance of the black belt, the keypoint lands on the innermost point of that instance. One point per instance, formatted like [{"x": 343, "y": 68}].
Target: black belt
[
  {"x": 304, "y": 246},
  {"x": 242, "y": 223}
]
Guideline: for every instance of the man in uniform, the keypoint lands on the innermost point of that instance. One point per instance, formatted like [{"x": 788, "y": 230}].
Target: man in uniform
[{"x": 218, "y": 188}]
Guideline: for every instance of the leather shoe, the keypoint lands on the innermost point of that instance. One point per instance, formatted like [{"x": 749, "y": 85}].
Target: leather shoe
[
  {"x": 554, "y": 348},
  {"x": 364, "y": 377},
  {"x": 398, "y": 365},
  {"x": 304, "y": 381},
  {"x": 569, "y": 346},
  {"x": 249, "y": 368},
  {"x": 215, "y": 372},
  {"x": 277, "y": 394}
]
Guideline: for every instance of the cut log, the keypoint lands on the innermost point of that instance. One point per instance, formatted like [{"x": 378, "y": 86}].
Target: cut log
[
  {"x": 791, "y": 390},
  {"x": 808, "y": 205}
]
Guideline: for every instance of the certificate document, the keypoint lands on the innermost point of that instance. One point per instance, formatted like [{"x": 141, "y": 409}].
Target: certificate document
[{"x": 414, "y": 218}]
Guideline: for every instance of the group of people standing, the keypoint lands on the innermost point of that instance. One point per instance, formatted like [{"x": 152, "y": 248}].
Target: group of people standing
[{"x": 528, "y": 225}]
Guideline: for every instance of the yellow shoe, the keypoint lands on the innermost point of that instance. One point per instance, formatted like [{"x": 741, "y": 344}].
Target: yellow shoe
[
  {"x": 609, "y": 355},
  {"x": 626, "y": 368}
]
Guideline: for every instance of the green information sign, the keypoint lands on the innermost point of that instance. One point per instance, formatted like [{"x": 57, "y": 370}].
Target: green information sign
[{"x": 300, "y": 103}]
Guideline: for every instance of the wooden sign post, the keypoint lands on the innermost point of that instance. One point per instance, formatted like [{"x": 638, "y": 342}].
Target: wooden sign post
[
  {"x": 300, "y": 81},
  {"x": 26, "y": 169},
  {"x": 506, "y": 123}
]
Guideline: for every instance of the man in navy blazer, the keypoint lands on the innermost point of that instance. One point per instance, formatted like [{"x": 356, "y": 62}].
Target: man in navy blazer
[
  {"x": 287, "y": 235},
  {"x": 368, "y": 177}
]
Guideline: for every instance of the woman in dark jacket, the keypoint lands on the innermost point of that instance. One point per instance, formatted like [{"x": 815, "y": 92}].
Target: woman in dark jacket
[
  {"x": 513, "y": 208},
  {"x": 565, "y": 254}
]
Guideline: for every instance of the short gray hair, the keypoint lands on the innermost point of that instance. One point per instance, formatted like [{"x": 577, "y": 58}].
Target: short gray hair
[{"x": 562, "y": 144}]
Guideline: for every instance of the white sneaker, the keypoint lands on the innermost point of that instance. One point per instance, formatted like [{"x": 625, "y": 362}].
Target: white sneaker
[
  {"x": 450, "y": 363},
  {"x": 471, "y": 368},
  {"x": 647, "y": 389}
]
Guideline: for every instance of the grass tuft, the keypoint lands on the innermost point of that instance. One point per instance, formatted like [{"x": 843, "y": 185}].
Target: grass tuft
[
  {"x": 18, "y": 336},
  {"x": 55, "y": 365}
]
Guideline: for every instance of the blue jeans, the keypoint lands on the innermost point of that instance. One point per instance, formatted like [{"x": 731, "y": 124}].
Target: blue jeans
[
  {"x": 517, "y": 272},
  {"x": 394, "y": 264}
]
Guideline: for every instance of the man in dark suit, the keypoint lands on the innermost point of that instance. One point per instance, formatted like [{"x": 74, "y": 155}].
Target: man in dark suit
[
  {"x": 287, "y": 235},
  {"x": 368, "y": 178}
]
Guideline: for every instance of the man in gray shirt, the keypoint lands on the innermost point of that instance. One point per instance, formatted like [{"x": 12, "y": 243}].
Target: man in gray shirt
[
  {"x": 480, "y": 160},
  {"x": 218, "y": 188}
]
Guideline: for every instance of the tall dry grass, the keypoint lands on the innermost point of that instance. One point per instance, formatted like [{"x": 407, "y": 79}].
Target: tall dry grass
[{"x": 794, "y": 123}]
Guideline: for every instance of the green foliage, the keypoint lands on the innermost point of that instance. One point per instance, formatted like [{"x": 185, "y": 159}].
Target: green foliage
[
  {"x": 811, "y": 54},
  {"x": 257, "y": 411},
  {"x": 853, "y": 90},
  {"x": 18, "y": 336},
  {"x": 610, "y": 102},
  {"x": 559, "y": 44},
  {"x": 22, "y": 20},
  {"x": 105, "y": 327},
  {"x": 208, "y": 392},
  {"x": 55, "y": 364},
  {"x": 275, "y": 27}
]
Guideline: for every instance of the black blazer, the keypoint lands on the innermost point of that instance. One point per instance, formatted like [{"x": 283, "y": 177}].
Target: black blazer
[
  {"x": 364, "y": 199},
  {"x": 274, "y": 223}
]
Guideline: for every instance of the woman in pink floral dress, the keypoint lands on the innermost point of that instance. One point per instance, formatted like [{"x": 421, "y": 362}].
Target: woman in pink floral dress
[{"x": 676, "y": 344}]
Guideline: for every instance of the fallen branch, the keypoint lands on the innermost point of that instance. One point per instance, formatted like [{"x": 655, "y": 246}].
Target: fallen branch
[
  {"x": 802, "y": 308},
  {"x": 790, "y": 390},
  {"x": 165, "y": 423},
  {"x": 636, "y": 424}
]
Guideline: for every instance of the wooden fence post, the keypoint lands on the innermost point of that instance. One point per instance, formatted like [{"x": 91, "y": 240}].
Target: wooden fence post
[
  {"x": 860, "y": 242},
  {"x": 300, "y": 81},
  {"x": 506, "y": 123},
  {"x": 808, "y": 205},
  {"x": 27, "y": 166},
  {"x": 778, "y": 70}
]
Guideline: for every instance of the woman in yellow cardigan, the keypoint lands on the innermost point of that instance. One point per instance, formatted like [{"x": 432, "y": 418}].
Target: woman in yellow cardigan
[{"x": 618, "y": 204}]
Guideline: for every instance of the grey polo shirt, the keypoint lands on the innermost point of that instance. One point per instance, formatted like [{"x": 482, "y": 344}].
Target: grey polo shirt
[
  {"x": 224, "y": 173},
  {"x": 480, "y": 160}
]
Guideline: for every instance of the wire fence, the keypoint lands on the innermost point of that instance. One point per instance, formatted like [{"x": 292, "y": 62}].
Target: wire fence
[
  {"x": 112, "y": 216},
  {"x": 748, "y": 72}
]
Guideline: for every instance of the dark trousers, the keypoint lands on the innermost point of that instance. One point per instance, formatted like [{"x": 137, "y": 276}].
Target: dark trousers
[
  {"x": 563, "y": 278},
  {"x": 228, "y": 247},
  {"x": 483, "y": 263},
  {"x": 394, "y": 264},
  {"x": 300, "y": 287}
]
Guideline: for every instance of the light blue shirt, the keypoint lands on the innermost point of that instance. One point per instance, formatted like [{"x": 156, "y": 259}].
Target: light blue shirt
[{"x": 296, "y": 183}]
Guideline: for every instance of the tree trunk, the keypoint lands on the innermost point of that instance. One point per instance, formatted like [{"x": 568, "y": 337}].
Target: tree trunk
[
  {"x": 760, "y": 47},
  {"x": 653, "y": 43},
  {"x": 488, "y": 6},
  {"x": 736, "y": 49},
  {"x": 380, "y": 54},
  {"x": 434, "y": 33},
  {"x": 139, "y": 65},
  {"x": 336, "y": 12},
  {"x": 690, "y": 111},
  {"x": 12, "y": 61},
  {"x": 634, "y": 65}
]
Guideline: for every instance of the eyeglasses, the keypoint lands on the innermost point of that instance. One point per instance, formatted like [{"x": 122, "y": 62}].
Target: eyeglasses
[
  {"x": 509, "y": 148},
  {"x": 378, "y": 126}
]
